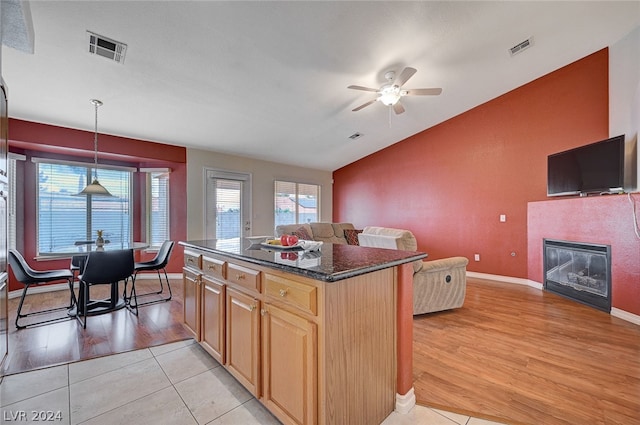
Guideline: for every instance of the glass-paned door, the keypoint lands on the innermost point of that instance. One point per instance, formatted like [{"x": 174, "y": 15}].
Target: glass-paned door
[{"x": 227, "y": 215}]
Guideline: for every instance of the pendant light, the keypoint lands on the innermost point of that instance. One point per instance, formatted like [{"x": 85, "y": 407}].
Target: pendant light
[{"x": 95, "y": 188}]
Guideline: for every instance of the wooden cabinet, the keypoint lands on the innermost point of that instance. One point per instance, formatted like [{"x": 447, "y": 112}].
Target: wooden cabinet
[
  {"x": 191, "y": 284},
  {"x": 213, "y": 317},
  {"x": 289, "y": 365},
  {"x": 243, "y": 339},
  {"x": 312, "y": 352}
]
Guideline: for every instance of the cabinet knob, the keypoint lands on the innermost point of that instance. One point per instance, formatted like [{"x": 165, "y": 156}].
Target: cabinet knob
[
  {"x": 212, "y": 267},
  {"x": 252, "y": 307},
  {"x": 240, "y": 276},
  {"x": 263, "y": 312},
  {"x": 283, "y": 292}
]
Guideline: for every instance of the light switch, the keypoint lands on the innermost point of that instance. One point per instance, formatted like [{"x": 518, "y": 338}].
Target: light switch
[{"x": 503, "y": 218}]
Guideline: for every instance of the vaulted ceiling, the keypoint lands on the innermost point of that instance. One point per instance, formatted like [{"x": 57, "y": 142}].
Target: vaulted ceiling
[{"x": 268, "y": 79}]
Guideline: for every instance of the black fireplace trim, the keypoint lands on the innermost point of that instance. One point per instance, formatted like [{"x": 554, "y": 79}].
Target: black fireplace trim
[{"x": 589, "y": 299}]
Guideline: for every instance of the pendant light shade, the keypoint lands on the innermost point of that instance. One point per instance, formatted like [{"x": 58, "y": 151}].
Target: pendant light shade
[{"x": 95, "y": 188}]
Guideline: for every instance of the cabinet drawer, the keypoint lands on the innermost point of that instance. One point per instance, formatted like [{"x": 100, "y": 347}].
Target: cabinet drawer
[
  {"x": 214, "y": 267},
  {"x": 192, "y": 259},
  {"x": 243, "y": 276},
  {"x": 297, "y": 294}
]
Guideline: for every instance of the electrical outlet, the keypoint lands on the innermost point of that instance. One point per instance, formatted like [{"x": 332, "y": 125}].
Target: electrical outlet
[{"x": 476, "y": 257}]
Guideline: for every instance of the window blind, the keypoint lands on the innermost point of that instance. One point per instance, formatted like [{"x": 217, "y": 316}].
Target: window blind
[
  {"x": 158, "y": 207},
  {"x": 64, "y": 217}
]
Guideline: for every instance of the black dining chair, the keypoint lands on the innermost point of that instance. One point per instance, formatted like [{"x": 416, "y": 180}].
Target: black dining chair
[
  {"x": 28, "y": 277},
  {"x": 159, "y": 263},
  {"x": 101, "y": 268}
]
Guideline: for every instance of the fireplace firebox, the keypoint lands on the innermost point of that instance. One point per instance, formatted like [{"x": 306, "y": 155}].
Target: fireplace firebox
[{"x": 579, "y": 271}]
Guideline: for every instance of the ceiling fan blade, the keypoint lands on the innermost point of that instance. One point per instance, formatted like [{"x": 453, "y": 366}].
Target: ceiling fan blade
[
  {"x": 362, "y": 88},
  {"x": 363, "y": 105},
  {"x": 423, "y": 92},
  {"x": 398, "y": 108},
  {"x": 404, "y": 76}
]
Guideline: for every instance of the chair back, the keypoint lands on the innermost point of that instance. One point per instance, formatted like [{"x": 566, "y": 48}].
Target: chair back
[
  {"x": 164, "y": 254},
  {"x": 108, "y": 266},
  {"x": 21, "y": 269}
]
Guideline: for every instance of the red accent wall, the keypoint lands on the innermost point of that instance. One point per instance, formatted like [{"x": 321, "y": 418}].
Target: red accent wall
[
  {"x": 48, "y": 141},
  {"x": 606, "y": 220},
  {"x": 450, "y": 183}
]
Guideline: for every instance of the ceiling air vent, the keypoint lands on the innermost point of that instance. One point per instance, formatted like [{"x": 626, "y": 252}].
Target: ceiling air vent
[
  {"x": 106, "y": 47},
  {"x": 355, "y": 136},
  {"x": 521, "y": 46}
]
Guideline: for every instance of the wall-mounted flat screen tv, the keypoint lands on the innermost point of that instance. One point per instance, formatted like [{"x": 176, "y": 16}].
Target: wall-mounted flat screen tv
[{"x": 594, "y": 168}]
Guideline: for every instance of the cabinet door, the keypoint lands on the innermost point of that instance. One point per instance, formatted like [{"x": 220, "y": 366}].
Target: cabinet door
[
  {"x": 213, "y": 320},
  {"x": 289, "y": 364},
  {"x": 191, "y": 285},
  {"x": 243, "y": 339}
]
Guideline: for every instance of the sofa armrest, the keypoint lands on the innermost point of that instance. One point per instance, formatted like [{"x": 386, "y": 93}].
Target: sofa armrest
[{"x": 440, "y": 285}]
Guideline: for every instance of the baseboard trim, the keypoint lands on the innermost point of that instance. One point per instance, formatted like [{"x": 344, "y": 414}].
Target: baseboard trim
[
  {"x": 406, "y": 402},
  {"x": 625, "y": 315},
  {"x": 16, "y": 293},
  {"x": 616, "y": 312},
  {"x": 506, "y": 279}
]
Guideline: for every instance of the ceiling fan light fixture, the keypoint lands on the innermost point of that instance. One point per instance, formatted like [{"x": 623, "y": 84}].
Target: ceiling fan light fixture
[{"x": 389, "y": 95}]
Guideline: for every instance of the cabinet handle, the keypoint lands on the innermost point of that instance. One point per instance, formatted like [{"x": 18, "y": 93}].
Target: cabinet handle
[
  {"x": 212, "y": 267},
  {"x": 190, "y": 260},
  {"x": 240, "y": 276},
  {"x": 283, "y": 292}
]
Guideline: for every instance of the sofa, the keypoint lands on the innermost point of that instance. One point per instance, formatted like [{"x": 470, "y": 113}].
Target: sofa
[
  {"x": 325, "y": 232},
  {"x": 437, "y": 284}
]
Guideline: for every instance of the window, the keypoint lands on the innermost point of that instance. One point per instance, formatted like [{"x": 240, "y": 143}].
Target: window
[
  {"x": 296, "y": 203},
  {"x": 64, "y": 217},
  {"x": 157, "y": 207}
]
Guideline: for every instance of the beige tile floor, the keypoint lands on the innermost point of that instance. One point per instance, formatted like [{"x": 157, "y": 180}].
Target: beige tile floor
[{"x": 173, "y": 384}]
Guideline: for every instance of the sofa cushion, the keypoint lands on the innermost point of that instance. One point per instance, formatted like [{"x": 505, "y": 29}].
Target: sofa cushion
[
  {"x": 288, "y": 229},
  {"x": 302, "y": 233},
  {"x": 325, "y": 232},
  {"x": 351, "y": 235},
  {"x": 339, "y": 228}
]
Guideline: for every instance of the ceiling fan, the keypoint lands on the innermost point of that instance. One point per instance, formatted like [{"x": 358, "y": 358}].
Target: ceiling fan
[{"x": 391, "y": 92}]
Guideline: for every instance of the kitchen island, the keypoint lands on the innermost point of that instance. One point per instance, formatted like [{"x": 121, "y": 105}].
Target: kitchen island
[{"x": 319, "y": 337}]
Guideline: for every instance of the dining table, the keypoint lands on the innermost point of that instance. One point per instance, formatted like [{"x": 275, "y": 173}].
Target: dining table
[{"x": 79, "y": 254}]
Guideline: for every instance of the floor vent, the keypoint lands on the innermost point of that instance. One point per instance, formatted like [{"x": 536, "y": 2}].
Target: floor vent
[
  {"x": 106, "y": 47},
  {"x": 521, "y": 46}
]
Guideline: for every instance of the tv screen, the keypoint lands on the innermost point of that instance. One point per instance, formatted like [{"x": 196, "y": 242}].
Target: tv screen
[{"x": 597, "y": 167}]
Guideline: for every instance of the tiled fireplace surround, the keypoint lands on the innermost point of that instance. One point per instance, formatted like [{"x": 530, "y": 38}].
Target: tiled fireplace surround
[{"x": 606, "y": 220}]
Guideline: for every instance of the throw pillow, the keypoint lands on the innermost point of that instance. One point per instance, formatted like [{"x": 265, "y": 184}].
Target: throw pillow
[
  {"x": 351, "y": 235},
  {"x": 302, "y": 233}
]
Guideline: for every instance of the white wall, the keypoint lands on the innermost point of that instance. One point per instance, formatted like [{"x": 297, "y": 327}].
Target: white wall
[
  {"x": 624, "y": 100},
  {"x": 263, "y": 175}
]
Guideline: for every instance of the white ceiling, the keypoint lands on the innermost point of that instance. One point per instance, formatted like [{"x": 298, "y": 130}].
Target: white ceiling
[{"x": 269, "y": 79}]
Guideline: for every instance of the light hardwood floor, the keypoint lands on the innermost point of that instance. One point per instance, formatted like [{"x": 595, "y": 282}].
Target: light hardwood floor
[
  {"x": 511, "y": 353},
  {"x": 518, "y": 354}
]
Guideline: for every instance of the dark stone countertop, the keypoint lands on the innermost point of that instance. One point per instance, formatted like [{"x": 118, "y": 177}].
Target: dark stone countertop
[{"x": 331, "y": 263}]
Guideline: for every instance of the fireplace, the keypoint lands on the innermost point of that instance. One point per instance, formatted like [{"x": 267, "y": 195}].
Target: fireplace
[{"x": 579, "y": 271}]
